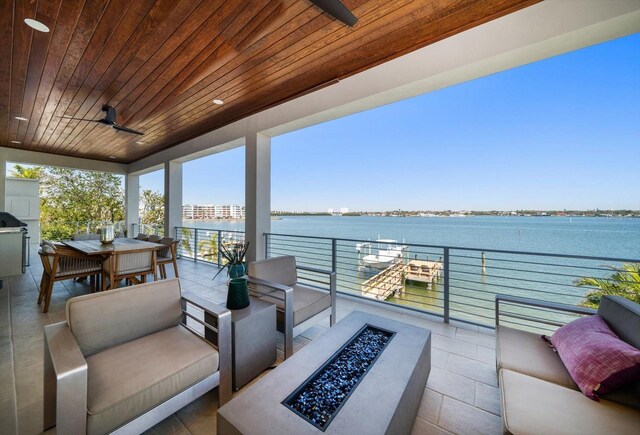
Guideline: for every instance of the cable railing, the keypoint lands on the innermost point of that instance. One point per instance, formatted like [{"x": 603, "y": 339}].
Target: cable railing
[
  {"x": 203, "y": 244},
  {"x": 149, "y": 229},
  {"x": 453, "y": 283}
]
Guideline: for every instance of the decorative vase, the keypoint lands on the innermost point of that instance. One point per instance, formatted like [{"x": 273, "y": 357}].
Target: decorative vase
[
  {"x": 236, "y": 271},
  {"x": 106, "y": 234},
  {"x": 238, "y": 294}
]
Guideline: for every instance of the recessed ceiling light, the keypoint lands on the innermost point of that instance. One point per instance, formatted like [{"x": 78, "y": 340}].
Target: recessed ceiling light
[
  {"x": 21, "y": 118},
  {"x": 140, "y": 143},
  {"x": 218, "y": 102},
  {"x": 36, "y": 25},
  {"x": 15, "y": 141}
]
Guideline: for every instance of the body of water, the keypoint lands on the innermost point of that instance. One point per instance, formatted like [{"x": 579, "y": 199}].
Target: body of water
[{"x": 472, "y": 288}]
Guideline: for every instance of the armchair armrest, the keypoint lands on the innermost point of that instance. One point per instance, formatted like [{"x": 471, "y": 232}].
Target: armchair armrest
[
  {"x": 332, "y": 288},
  {"x": 65, "y": 381},
  {"x": 529, "y": 302},
  {"x": 288, "y": 310},
  {"x": 217, "y": 324}
]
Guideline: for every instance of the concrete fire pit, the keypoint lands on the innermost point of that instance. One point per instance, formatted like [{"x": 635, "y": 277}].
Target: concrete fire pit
[{"x": 384, "y": 400}]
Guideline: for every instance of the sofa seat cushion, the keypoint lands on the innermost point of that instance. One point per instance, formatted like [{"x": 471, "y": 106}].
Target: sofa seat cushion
[
  {"x": 526, "y": 353},
  {"x": 307, "y": 302},
  {"x": 533, "y": 406},
  {"x": 127, "y": 380}
]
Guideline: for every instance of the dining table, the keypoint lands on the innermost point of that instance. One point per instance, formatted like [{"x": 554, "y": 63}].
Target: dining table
[{"x": 107, "y": 251}]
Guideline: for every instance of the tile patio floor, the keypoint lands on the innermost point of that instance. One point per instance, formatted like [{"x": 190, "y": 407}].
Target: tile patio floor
[{"x": 461, "y": 395}]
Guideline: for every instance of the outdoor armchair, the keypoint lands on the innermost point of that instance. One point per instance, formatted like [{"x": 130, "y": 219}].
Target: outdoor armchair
[
  {"x": 61, "y": 263},
  {"x": 132, "y": 265},
  {"x": 126, "y": 359},
  {"x": 168, "y": 255},
  {"x": 275, "y": 280}
]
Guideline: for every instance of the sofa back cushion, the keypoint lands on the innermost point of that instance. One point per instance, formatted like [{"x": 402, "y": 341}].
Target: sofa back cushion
[
  {"x": 102, "y": 320},
  {"x": 623, "y": 317},
  {"x": 281, "y": 270}
]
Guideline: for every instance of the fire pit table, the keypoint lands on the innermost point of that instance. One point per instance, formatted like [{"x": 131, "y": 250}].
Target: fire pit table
[{"x": 366, "y": 375}]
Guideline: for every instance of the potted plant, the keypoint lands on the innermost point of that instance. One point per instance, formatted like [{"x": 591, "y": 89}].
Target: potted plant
[{"x": 238, "y": 294}]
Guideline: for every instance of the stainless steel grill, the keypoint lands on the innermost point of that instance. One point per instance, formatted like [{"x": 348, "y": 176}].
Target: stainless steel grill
[{"x": 14, "y": 257}]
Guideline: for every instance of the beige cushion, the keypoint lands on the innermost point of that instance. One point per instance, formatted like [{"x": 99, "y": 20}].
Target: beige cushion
[
  {"x": 132, "y": 262},
  {"x": 102, "y": 320},
  {"x": 532, "y": 406},
  {"x": 281, "y": 270},
  {"x": 307, "y": 302},
  {"x": 525, "y": 352},
  {"x": 128, "y": 380}
]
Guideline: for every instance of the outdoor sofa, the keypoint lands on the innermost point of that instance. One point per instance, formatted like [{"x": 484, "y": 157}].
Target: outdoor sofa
[{"x": 539, "y": 396}]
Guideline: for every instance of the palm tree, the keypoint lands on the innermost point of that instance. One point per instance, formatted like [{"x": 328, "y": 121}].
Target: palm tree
[
  {"x": 625, "y": 282},
  {"x": 209, "y": 248},
  {"x": 20, "y": 171}
]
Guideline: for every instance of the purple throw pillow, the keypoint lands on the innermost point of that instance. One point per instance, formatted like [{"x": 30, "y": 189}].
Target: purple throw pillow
[{"x": 596, "y": 358}]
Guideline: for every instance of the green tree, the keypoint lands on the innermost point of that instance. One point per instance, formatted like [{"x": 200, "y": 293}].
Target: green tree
[
  {"x": 72, "y": 200},
  {"x": 209, "y": 247},
  {"x": 20, "y": 171},
  {"x": 624, "y": 281},
  {"x": 152, "y": 212}
]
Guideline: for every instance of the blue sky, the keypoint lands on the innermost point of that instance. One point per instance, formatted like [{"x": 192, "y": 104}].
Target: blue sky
[{"x": 560, "y": 133}]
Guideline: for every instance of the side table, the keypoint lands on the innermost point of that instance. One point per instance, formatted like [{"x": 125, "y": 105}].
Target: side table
[{"x": 253, "y": 332}]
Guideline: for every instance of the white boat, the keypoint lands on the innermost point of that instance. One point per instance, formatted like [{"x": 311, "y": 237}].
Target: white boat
[{"x": 389, "y": 253}]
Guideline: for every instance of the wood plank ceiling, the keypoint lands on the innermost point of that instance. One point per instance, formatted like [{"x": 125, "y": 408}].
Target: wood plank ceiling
[{"x": 160, "y": 63}]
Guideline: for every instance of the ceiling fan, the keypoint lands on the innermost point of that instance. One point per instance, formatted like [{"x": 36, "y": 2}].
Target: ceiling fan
[
  {"x": 336, "y": 9},
  {"x": 109, "y": 119}
]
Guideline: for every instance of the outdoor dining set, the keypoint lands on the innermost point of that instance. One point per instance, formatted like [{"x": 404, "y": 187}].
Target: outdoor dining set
[{"x": 105, "y": 265}]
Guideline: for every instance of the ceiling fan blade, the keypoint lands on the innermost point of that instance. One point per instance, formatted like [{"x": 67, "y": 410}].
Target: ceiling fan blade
[
  {"x": 125, "y": 129},
  {"x": 336, "y": 9},
  {"x": 81, "y": 119}
]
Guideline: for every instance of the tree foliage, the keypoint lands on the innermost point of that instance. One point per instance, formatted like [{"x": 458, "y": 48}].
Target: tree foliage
[
  {"x": 20, "y": 171},
  {"x": 624, "y": 281},
  {"x": 152, "y": 212}
]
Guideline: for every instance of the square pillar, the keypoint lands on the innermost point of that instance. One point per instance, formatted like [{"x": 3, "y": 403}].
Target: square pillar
[
  {"x": 172, "y": 197},
  {"x": 131, "y": 202},
  {"x": 3, "y": 184},
  {"x": 257, "y": 193}
]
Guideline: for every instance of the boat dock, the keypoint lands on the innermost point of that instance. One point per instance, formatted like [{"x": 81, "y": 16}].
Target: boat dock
[{"x": 391, "y": 280}]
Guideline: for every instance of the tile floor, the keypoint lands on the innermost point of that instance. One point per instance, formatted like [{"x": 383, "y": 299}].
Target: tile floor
[{"x": 461, "y": 395}]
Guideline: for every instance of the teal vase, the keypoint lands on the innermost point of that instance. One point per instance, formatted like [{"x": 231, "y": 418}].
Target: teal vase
[
  {"x": 236, "y": 271},
  {"x": 238, "y": 294}
]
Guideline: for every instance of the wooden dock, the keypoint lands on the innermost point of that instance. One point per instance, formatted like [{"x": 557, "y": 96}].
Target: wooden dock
[
  {"x": 423, "y": 271},
  {"x": 392, "y": 279}
]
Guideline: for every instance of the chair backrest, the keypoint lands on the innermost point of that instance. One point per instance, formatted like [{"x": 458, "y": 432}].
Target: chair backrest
[
  {"x": 102, "y": 320},
  {"x": 154, "y": 239},
  {"x": 142, "y": 236},
  {"x": 623, "y": 317},
  {"x": 281, "y": 270},
  {"x": 130, "y": 262},
  {"x": 168, "y": 251}
]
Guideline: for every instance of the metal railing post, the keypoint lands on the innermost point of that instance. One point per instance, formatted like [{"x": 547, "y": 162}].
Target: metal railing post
[
  {"x": 266, "y": 245},
  {"x": 218, "y": 246},
  {"x": 195, "y": 246},
  {"x": 446, "y": 285},
  {"x": 334, "y": 257}
]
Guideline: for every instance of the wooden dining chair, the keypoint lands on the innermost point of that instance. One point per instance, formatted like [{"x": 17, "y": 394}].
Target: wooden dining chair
[
  {"x": 62, "y": 263},
  {"x": 134, "y": 266},
  {"x": 168, "y": 255}
]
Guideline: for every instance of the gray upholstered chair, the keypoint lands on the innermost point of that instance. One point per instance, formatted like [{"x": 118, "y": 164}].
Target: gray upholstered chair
[
  {"x": 126, "y": 359},
  {"x": 275, "y": 280},
  {"x": 142, "y": 236},
  {"x": 60, "y": 263}
]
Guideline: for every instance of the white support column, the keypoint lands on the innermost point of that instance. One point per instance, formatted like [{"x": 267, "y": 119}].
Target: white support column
[
  {"x": 172, "y": 197},
  {"x": 3, "y": 176},
  {"x": 257, "y": 193},
  {"x": 131, "y": 201}
]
